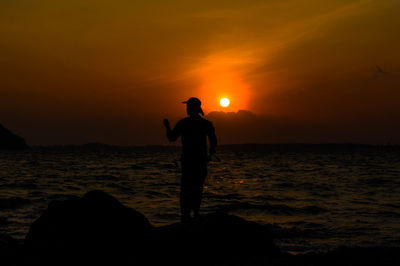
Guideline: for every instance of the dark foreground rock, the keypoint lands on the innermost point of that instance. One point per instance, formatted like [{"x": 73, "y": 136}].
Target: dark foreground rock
[
  {"x": 367, "y": 256},
  {"x": 213, "y": 238},
  {"x": 98, "y": 229},
  {"x": 95, "y": 226},
  {"x": 10, "y": 141},
  {"x": 8, "y": 249}
]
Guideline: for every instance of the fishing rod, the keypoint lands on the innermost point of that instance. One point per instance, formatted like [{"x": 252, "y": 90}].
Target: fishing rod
[{"x": 215, "y": 156}]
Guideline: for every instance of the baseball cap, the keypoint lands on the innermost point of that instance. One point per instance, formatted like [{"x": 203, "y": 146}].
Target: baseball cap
[{"x": 195, "y": 102}]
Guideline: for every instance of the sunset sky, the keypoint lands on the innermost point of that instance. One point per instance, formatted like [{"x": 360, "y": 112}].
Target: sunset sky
[{"x": 308, "y": 71}]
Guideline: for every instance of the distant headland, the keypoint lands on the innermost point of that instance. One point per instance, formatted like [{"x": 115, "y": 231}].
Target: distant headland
[{"x": 11, "y": 141}]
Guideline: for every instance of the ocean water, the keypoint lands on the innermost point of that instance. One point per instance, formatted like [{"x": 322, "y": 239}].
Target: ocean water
[{"x": 314, "y": 197}]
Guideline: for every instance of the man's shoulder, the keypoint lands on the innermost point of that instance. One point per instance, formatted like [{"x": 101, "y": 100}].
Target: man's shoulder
[
  {"x": 184, "y": 120},
  {"x": 207, "y": 122},
  {"x": 190, "y": 120}
]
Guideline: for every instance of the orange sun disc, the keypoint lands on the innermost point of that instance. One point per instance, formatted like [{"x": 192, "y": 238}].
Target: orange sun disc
[{"x": 224, "y": 102}]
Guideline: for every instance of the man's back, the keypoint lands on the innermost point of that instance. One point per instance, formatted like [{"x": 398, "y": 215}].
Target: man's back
[{"x": 194, "y": 131}]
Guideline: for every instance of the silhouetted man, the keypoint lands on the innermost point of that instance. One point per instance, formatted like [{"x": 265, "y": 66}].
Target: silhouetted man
[{"x": 193, "y": 131}]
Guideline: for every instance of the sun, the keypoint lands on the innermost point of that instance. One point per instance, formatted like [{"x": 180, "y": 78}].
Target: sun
[{"x": 224, "y": 102}]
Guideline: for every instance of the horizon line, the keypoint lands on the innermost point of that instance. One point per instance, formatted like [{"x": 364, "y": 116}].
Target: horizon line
[{"x": 94, "y": 144}]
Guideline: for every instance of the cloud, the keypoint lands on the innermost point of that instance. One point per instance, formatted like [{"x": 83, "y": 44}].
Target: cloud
[{"x": 246, "y": 127}]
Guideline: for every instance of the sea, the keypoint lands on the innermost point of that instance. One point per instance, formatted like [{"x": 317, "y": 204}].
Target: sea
[{"x": 312, "y": 197}]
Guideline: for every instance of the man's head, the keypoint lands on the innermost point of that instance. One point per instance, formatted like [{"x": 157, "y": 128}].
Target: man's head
[{"x": 193, "y": 106}]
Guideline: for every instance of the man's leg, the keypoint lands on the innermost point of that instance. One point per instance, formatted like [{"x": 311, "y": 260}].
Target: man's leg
[
  {"x": 186, "y": 190},
  {"x": 198, "y": 190},
  {"x": 184, "y": 200}
]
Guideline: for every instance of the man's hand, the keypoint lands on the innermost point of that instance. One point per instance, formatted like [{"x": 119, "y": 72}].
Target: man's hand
[
  {"x": 212, "y": 154},
  {"x": 166, "y": 123}
]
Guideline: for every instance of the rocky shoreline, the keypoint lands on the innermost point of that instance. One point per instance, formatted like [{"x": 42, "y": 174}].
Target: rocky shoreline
[{"x": 97, "y": 228}]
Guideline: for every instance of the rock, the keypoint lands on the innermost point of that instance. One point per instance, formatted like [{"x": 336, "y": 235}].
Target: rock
[
  {"x": 363, "y": 256},
  {"x": 215, "y": 236},
  {"x": 94, "y": 226},
  {"x": 97, "y": 227},
  {"x": 7, "y": 245},
  {"x": 10, "y": 141},
  {"x": 9, "y": 251}
]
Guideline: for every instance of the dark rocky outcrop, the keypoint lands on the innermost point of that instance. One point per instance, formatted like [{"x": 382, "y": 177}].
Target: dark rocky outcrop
[
  {"x": 98, "y": 227},
  {"x": 95, "y": 226},
  {"x": 10, "y": 141},
  {"x": 214, "y": 237},
  {"x": 7, "y": 246}
]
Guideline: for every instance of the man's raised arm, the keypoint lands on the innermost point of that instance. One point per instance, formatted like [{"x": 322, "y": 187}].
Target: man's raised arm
[{"x": 174, "y": 134}]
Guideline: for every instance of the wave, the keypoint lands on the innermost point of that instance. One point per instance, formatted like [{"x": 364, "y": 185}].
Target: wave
[
  {"x": 278, "y": 209},
  {"x": 13, "y": 203}
]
